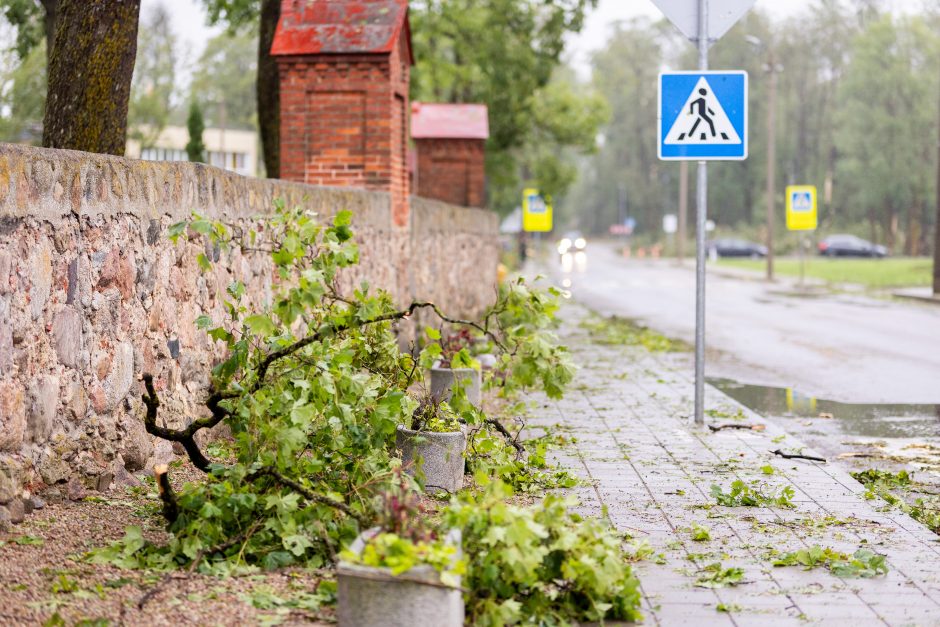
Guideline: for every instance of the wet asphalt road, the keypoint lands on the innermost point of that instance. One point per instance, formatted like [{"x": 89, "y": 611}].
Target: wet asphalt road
[{"x": 844, "y": 347}]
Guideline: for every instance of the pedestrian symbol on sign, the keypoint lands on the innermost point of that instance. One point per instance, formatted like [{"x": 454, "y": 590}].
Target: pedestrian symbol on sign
[
  {"x": 802, "y": 201},
  {"x": 703, "y": 120},
  {"x": 702, "y": 116}
]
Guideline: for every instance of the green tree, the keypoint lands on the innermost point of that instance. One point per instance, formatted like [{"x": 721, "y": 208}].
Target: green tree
[
  {"x": 195, "y": 148},
  {"x": 264, "y": 14},
  {"x": 626, "y": 168},
  {"x": 886, "y": 123},
  {"x": 23, "y": 98},
  {"x": 504, "y": 53},
  {"x": 154, "y": 81},
  {"x": 33, "y": 20},
  {"x": 97, "y": 41},
  {"x": 224, "y": 79}
]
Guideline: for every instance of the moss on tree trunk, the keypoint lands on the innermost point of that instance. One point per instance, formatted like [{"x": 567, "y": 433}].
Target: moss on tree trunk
[
  {"x": 269, "y": 106},
  {"x": 90, "y": 73}
]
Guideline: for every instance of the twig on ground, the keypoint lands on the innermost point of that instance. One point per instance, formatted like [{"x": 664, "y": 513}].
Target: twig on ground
[
  {"x": 797, "y": 456},
  {"x": 715, "y": 428}
]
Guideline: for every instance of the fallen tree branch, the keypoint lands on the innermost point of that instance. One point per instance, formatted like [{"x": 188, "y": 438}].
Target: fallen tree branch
[
  {"x": 807, "y": 457},
  {"x": 186, "y": 436},
  {"x": 218, "y": 548}
]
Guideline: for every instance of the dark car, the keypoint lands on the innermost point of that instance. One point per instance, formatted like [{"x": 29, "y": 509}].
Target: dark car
[
  {"x": 736, "y": 248},
  {"x": 850, "y": 246}
]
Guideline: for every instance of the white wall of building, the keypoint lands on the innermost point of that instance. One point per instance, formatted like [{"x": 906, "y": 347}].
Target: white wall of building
[{"x": 233, "y": 150}]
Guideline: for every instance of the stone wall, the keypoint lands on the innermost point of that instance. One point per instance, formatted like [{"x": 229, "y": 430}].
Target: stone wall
[{"x": 92, "y": 294}]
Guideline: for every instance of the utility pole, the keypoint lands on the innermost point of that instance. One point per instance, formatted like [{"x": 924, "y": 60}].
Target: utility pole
[
  {"x": 936, "y": 238},
  {"x": 622, "y": 204},
  {"x": 683, "y": 209},
  {"x": 771, "y": 160},
  {"x": 701, "y": 215}
]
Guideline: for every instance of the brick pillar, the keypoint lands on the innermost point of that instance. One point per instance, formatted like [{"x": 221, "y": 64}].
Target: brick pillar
[
  {"x": 450, "y": 141},
  {"x": 452, "y": 170},
  {"x": 344, "y": 70}
]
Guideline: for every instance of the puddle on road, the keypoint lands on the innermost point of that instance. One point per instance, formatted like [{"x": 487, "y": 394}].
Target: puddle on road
[
  {"x": 861, "y": 435},
  {"x": 865, "y": 420}
]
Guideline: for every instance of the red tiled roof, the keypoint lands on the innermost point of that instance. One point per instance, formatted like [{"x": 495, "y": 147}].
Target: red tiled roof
[
  {"x": 450, "y": 121},
  {"x": 337, "y": 26}
]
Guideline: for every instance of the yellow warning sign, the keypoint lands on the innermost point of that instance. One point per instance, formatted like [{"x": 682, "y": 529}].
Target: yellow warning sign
[
  {"x": 536, "y": 212},
  {"x": 801, "y": 208}
]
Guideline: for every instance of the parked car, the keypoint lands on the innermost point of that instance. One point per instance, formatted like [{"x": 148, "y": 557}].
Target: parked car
[
  {"x": 736, "y": 248},
  {"x": 850, "y": 246}
]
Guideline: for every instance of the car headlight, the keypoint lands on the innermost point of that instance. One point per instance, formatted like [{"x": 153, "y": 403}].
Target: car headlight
[{"x": 580, "y": 243}]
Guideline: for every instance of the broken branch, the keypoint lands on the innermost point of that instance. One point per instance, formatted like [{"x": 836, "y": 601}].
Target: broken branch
[
  {"x": 307, "y": 493},
  {"x": 184, "y": 436},
  {"x": 334, "y": 329},
  {"x": 506, "y": 434},
  {"x": 171, "y": 509}
]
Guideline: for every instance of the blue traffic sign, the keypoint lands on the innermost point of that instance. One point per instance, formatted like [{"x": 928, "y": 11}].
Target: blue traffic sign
[{"x": 703, "y": 116}]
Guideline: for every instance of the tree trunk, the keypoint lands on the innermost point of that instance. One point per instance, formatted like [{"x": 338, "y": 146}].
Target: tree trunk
[
  {"x": 910, "y": 243},
  {"x": 892, "y": 229},
  {"x": 90, "y": 73},
  {"x": 268, "y": 89},
  {"x": 51, "y": 7}
]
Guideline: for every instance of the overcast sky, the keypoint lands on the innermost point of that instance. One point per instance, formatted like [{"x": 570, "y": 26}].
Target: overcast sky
[
  {"x": 189, "y": 22},
  {"x": 609, "y": 11}
]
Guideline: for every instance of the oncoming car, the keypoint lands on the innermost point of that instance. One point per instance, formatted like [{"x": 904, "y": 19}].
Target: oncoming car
[{"x": 572, "y": 242}]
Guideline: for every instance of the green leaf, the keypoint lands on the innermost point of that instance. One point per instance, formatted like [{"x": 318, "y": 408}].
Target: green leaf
[
  {"x": 176, "y": 230},
  {"x": 297, "y": 544},
  {"x": 261, "y": 325}
]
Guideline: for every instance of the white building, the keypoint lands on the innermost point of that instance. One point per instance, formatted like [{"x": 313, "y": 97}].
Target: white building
[{"x": 228, "y": 149}]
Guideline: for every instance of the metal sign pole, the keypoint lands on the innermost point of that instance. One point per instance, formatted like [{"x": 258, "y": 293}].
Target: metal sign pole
[{"x": 701, "y": 217}]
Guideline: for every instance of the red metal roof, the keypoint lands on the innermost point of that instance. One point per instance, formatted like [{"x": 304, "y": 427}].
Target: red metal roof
[
  {"x": 450, "y": 121},
  {"x": 338, "y": 26}
]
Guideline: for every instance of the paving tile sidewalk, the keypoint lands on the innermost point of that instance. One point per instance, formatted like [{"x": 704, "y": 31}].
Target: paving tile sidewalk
[{"x": 652, "y": 471}]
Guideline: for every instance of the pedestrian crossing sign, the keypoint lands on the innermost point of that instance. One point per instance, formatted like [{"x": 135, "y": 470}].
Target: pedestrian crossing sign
[
  {"x": 801, "y": 208},
  {"x": 536, "y": 212},
  {"x": 703, "y": 116}
]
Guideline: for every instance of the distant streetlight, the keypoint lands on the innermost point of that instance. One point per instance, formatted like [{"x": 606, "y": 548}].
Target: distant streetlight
[{"x": 773, "y": 70}]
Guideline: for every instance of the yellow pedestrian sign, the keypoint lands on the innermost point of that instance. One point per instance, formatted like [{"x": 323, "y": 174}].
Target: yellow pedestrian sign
[
  {"x": 801, "y": 208},
  {"x": 536, "y": 212}
]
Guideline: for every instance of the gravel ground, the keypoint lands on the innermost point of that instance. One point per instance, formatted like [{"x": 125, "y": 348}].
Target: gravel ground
[{"x": 44, "y": 579}]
